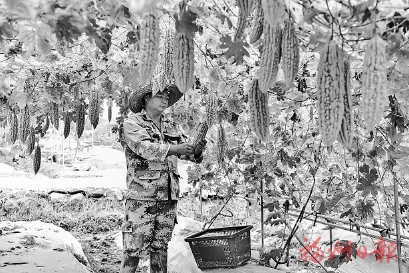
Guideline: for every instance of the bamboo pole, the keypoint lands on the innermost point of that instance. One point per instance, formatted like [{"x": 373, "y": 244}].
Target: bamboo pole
[
  {"x": 62, "y": 152},
  {"x": 69, "y": 148},
  {"x": 347, "y": 229},
  {"x": 262, "y": 214},
  {"x": 54, "y": 151},
  {"x": 330, "y": 238},
  {"x": 76, "y": 149},
  {"x": 348, "y": 223},
  {"x": 201, "y": 201},
  {"x": 397, "y": 220},
  {"x": 92, "y": 144}
]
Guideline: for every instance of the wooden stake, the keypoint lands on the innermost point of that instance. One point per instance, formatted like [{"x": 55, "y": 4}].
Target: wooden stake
[
  {"x": 397, "y": 221},
  {"x": 201, "y": 201},
  {"x": 92, "y": 144},
  {"x": 63, "y": 159},
  {"x": 262, "y": 214},
  {"x": 69, "y": 148},
  {"x": 76, "y": 150},
  {"x": 330, "y": 239}
]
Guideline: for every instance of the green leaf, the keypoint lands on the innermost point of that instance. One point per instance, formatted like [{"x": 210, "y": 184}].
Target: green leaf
[
  {"x": 21, "y": 99},
  {"x": 367, "y": 180},
  {"x": 186, "y": 24},
  {"x": 272, "y": 206},
  {"x": 131, "y": 77},
  {"x": 346, "y": 213},
  {"x": 364, "y": 169},
  {"x": 398, "y": 154},
  {"x": 309, "y": 14},
  {"x": 68, "y": 26},
  {"x": 277, "y": 222},
  {"x": 372, "y": 176},
  {"x": 366, "y": 183},
  {"x": 223, "y": 18},
  {"x": 6, "y": 31},
  {"x": 365, "y": 210},
  {"x": 362, "y": 7},
  {"x": 42, "y": 45},
  {"x": 366, "y": 16},
  {"x": 320, "y": 205},
  {"x": 235, "y": 48},
  {"x": 335, "y": 200},
  {"x": 21, "y": 9},
  {"x": 318, "y": 39},
  {"x": 101, "y": 35},
  {"x": 402, "y": 66}
]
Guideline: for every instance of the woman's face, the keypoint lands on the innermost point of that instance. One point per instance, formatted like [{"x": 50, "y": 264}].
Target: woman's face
[{"x": 159, "y": 102}]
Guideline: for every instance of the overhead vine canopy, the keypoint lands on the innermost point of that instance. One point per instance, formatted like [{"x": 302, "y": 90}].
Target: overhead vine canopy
[{"x": 59, "y": 57}]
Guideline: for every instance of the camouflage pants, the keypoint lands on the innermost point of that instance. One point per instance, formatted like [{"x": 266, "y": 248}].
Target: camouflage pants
[{"x": 148, "y": 226}]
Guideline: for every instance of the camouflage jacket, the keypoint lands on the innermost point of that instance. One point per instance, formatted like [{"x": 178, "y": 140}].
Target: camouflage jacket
[{"x": 151, "y": 174}]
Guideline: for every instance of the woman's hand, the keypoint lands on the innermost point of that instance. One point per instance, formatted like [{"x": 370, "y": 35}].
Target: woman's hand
[{"x": 185, "y": 149}]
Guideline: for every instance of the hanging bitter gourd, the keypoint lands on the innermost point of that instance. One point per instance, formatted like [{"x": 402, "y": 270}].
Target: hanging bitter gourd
[
  {"x": 211, "y": 108},
  {"x": 274, "y": 11},
  {"x": 258, "y": 23},
  {"x": 345, "y": 135},
  {"x": 67, "y": 125},
  {"x": 31, "y": 141},
  {"x": 14, "y": 128},
  {"x": 37, "y": 158},
  {"x": 330, "y": 86},
  {"x": 290, "y": 53},
  {"x": 259, "y": 111},
  {"x": 148, "y": 45},
  {"x": 110, "y": 104},
  {"x": 24, "y": 124},
  {"x": 169, "y": 38},
  {"x": 201, "y": 135},
  {"x": 270, "y": 57},
  {"x": 221, "y": 144},
  {"x": 94, "y": 108},
  {"x": 241, "y": 25},
  {"x": 183, "y": 61},
  {"x": 245, "y": 6},
  {"x": 55, "y": 115},
  {"x": 80, "y": 118},
  {"x": 374, "y": 82}
]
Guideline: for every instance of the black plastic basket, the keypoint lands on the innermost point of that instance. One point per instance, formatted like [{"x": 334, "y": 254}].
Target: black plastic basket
[{"x": 221, "y": 247}]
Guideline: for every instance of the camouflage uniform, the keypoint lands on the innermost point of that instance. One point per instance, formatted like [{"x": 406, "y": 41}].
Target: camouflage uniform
[{"x": 152, "y": 182}]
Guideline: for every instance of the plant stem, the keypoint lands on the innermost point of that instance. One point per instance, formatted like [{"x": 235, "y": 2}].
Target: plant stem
[
  {"x": 308, "y": 251},
  {"x": 299, "y": 219}
]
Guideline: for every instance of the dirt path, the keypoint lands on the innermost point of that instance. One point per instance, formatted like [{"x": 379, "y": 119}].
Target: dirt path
[{"x": 113, "y": 178}]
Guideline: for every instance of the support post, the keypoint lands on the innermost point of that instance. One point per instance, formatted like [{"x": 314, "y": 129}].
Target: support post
[
  {"x": 330, "y": 239},
  {"x": 92, "y": 143},
  {"x": 262, "y": 213},
  {"x": 62, "y": 152},
  {"x": 201, "y": 201},
  {"x": 397, "y": 223}
]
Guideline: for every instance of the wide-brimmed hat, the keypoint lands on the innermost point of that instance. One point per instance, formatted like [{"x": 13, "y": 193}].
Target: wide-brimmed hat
[{"x": 135, "y": 100}]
